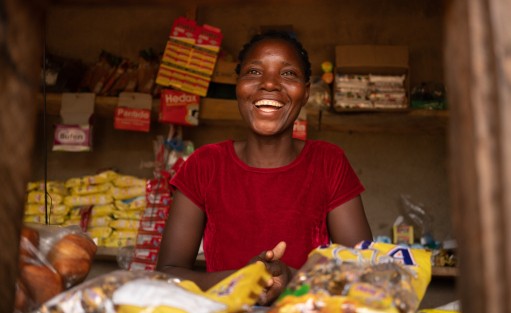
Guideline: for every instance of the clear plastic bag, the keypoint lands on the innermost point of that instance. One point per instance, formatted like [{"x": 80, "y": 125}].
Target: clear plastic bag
[
  {"x": 416, "y": 214},
  {"x": 52, "y": 259}
]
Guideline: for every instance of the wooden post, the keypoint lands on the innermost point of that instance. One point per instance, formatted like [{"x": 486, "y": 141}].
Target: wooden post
[
  {"x": 478, "y": 78},
  {"x": 20, "y": 63}
]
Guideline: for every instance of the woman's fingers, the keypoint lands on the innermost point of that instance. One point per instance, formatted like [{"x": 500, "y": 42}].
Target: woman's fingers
[{"x": 278, "y": 250}]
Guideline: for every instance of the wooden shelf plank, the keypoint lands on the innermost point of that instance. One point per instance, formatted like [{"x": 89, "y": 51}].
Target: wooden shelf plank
[
  {"x": 437, "y": 271},
  {"x": 410, "y": 121},
  {"x": 225, "y": 112}
]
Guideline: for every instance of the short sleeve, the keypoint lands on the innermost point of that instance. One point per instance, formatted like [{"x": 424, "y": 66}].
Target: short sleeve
[
  {"x": 343, "y": 182},
  {"x": 191, "y": 179}
]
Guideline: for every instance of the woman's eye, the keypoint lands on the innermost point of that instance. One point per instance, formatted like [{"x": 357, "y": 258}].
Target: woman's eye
[
  {"x": 252, "y": 72},
  {"x": 289, "y": 73}
]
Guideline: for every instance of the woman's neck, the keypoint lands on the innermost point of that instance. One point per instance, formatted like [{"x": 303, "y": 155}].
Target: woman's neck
[{"x": 268, "y": 152}]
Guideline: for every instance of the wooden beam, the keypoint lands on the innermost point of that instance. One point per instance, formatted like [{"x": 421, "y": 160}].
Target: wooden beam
[
  {"x": 21, "y": 46},
  {"x": 478, "y": 77}
]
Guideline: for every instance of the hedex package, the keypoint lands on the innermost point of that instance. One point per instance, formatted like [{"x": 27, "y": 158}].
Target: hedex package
[
  {"x": 133, "y": 111},
  {"x": 74, "y": 133},
  {"x": 179, "y": 107}
]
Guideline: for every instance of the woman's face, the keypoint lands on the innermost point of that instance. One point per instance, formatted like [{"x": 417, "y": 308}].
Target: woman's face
[{"x": 271, "y": 87}]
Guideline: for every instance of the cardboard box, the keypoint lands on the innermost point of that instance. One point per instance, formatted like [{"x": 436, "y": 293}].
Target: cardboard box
[
  {"x": 376, "y": 60},
  {"x": 224, "y": 72}
]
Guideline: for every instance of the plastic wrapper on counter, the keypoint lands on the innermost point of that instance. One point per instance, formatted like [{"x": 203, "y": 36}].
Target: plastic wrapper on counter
[
  {"x": 155, "y": 292},
  {"x": 373, "y": 277}
]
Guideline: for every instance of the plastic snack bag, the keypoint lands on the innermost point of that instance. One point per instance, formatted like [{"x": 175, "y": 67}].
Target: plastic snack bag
[{"x": 373, "y": 277}]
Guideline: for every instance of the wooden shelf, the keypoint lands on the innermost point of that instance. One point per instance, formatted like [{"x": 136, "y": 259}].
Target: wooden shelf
[
  {"x": 437, "y": 271},
  {"x": 225, "y": 112}
]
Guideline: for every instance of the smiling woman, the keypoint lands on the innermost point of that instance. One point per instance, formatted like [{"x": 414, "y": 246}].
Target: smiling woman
[{"x": 270, "y": 198}]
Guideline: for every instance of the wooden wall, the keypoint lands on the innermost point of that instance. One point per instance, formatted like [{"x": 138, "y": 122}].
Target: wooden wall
[{"x": 389, "y": 164}]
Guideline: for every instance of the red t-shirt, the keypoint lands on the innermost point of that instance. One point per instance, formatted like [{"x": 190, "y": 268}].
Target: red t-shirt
[{"x": 250, "y": 210}]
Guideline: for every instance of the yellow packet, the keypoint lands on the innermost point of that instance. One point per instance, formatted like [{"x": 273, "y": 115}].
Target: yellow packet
[
  {"x": 129, "y": 181},
  {"x": 102, "y": 210},
  {"x": 417, "y": 261},
  {"x": 100, "y": 221},
  {"x": 137, "y": 203},
  {"x": 127, "y": 193},
  {"x": 127, "y": 215},
  {"x": 41, "y": 219},
  {"x": 241, "y": 289},
  {"x": 73, "y": 182},
  {"x": 33, "y": 209},
  {"x": 88, "y": 200},
  {"x": 37, "y": 197},
  {"x": 100, "y": 178},
  {"x": 83, "y": 190},
  {"x": 124, "y": 224}
]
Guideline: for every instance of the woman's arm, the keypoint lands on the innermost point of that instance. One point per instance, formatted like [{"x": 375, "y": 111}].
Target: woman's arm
[
  {"x": 180, "y": 244},
  {"x": 347, "y": 223}
]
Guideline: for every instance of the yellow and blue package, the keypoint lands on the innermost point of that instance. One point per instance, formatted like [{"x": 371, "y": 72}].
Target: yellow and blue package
[{"x": 372, "y": 277}]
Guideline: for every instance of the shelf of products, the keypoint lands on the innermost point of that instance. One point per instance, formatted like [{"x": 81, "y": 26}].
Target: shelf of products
[{"x": 220, "y": 111}]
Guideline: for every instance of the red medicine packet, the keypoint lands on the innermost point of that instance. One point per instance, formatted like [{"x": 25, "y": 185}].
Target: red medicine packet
[
  {"x": 179, "y": 107},
  {"x": 133, "y": 111},
  {"x": 300, "y": 126}
]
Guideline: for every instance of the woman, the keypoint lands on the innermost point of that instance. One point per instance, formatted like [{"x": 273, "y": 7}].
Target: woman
[{"x": 270, "y": 193}]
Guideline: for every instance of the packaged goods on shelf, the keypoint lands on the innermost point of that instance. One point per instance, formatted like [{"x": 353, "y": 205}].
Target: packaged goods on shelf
[
  {"x": 74, "y": 133},
  {"x": 133, "y": 111},
  {"x": 371, "y": 78},
  {"x": 189, "y": 57},
  {"x": 108, "y": 206}
]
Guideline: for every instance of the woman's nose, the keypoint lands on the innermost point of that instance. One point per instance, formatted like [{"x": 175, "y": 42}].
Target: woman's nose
[{"x": 270, "y": 81}]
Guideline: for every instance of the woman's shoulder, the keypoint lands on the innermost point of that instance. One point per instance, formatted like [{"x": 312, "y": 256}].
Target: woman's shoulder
[
  {"x": 211, "y": 153},
  {"x": 322, "y": 146},
  {"x": 221, "y": 147}
]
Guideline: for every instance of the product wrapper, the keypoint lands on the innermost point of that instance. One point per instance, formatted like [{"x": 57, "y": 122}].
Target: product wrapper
[
  {"x": 52, "y": 259},
  {"x": 372, "y": 277},
  {"x": 155, "y": 292}
]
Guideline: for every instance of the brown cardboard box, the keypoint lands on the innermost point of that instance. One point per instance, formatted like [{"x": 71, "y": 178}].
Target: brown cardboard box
[
  {"x": 224, "y": 72},
  {"x": 374, "y": 59}
]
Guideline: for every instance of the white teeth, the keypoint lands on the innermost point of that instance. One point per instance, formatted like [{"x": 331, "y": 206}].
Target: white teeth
[{"x": 269, "y": 103}]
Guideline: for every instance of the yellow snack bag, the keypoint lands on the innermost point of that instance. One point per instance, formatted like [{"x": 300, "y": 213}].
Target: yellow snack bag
[
  {"x": 102, "y": 210},
  {"x": 124, "y": 224},
  {"x": 100, "y": 178},
  {"x": 72, "y": 182},
  {"x": 51, "y": 187},
  {"x": 137, "y": 203},
  {"x": 34, "y": 209},
  {"x": 41, "y": 219},
  {"x": 83, "y": 190},
  {"x": 88, "y": 200},
  {"x": 37, "y": 197},
  {"x": 100, "y": 221},
  {"x": 127, "y": 193},
  {"x": 128, "y": 181},
  {"x": 372, "y": 277},
  {"x": 127, "y": 215},
  {"x": 241, "y": 289}
]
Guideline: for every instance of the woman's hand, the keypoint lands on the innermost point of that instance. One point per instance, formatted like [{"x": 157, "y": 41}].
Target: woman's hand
[{"x": 281, "y": 273}]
